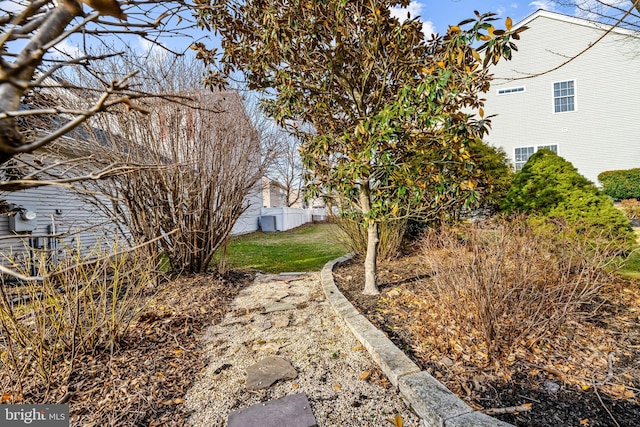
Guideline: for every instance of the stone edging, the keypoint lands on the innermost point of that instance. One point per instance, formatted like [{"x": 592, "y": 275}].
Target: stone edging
[{"x": 435, "y": 404}]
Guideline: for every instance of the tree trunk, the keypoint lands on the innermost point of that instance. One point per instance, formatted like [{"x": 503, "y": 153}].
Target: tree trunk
[{"x": 370, "y": 262}]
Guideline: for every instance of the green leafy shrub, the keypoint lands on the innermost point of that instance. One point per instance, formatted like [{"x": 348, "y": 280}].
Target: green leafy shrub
[
  {"x": 493, "y": 173},
  {"x": 548, "y": 186},
  {"x": 496, "y": 175},
  {"x": 621, "y": 184}
]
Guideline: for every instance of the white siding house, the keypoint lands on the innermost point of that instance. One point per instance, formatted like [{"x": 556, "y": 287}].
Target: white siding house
[
  {"x": 62, "y": 222},
  {"x": 586, "y": 110},
  {"x": 274, "y": 194},
  {"x": 248, "y": 221}
]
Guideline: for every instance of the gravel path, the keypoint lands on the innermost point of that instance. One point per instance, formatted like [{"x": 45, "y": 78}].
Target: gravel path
[{"x": 343, "y": 384}]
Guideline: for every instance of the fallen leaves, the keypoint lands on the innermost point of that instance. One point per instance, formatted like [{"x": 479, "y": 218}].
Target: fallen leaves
[
  {"x": 153, "y": 366},
  {"x": 602, "y": 349},
  {"x": 620, "y": 391},
  {"x": 396, "y": 421}
]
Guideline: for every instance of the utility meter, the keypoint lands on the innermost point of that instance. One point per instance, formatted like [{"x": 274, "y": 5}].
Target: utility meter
[
  {"x": 28, "y": 215},
  {"x": 25, "y": 219}
]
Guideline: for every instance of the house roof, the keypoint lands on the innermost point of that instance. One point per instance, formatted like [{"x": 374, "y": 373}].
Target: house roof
[{"x": 576, "y": 21}]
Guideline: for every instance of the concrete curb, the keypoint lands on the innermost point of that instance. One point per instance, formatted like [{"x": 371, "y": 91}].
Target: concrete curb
[{"x": 435, "y": 404}]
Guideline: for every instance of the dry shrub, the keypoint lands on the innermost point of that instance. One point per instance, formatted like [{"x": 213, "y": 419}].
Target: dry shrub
[
  {"x": 192, "y": 164},
  {"x": 631, "y": 208},
  {"x": 83, "y": 305},
  {"x": 355, "y": 236},
  {"x": 500, "y": 284}
]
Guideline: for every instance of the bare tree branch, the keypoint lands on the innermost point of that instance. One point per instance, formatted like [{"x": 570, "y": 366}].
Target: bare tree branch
[
  {"x": 636, "y": 5},
  {"x": 48, "y": 25},
  {"x": 210, "y": 158}
]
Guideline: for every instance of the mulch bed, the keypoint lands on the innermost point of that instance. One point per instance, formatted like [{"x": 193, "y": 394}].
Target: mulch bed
[
  {"x": 589, "y": 375},
  {"x": 143, "y": 382}
]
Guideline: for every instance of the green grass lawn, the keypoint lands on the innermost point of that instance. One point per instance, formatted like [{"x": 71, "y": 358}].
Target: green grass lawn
[
  {"x": 631, "y": 267},
  {"x": 305, "y": 248}
]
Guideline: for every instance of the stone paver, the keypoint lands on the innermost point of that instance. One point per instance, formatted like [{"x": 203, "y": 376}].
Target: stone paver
[
  {"x": 433, "y": 402},
  {"x": 268, "y": 371},
  {"x": 278, "y": 307},
  {"x": 289, "y": 411},
  {"x": 343, "y": 384}
]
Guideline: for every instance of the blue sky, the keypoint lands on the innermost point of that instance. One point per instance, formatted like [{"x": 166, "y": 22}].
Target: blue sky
[{"x": 437, "y": 15}]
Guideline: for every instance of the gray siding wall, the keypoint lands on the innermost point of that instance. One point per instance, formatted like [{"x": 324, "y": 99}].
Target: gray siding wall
[
  {"x": 604, "y": 131},
  {"x": 77, "y": 223}
]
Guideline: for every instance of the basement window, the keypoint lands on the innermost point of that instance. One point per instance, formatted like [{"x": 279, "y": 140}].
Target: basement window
[{"x": 510, "y": 90}]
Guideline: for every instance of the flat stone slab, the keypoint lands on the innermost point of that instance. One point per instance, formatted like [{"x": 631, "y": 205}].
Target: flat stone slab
[
  {"x": 475, "y": 419},
  {"x": 278, "y": 307},
  {"x": 261, "y": 326},
  {"x": 268, "y": 371},
  {"x": 289, "y": 411}
]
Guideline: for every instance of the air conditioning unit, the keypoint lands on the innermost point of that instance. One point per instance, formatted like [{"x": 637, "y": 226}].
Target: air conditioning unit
[{"x": 268, "y": 223}]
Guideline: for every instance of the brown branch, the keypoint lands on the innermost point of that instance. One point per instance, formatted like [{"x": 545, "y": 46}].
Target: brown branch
[
  {"x": 636, "y": 4},
  {"x": 101, "y": 105},
  {"x": 508, "y": 410},
  {"x": 109, "y": 171},
  {"x": 595, "y": 388},
  {"x": 17, "y": 275}
]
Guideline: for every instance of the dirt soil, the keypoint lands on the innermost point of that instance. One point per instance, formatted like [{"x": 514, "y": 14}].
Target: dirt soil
[
  {"x": 145, "y": 379},
  {"x": 586, "y": 375}
]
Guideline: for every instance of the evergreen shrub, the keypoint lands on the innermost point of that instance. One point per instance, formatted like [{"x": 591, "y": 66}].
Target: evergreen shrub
[
  {"x": 621, "y": 184},
  {"x": 496, "y": 174},
  {"x": 549, "y": 187}
]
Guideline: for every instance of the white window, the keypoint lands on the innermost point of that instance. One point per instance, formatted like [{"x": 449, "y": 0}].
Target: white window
[
  {"x": 553, "y": 148},
  {"x": 510, "y": 90},
  {"x": 564, "y": 96},
  {"x": 522, "y": 154}
]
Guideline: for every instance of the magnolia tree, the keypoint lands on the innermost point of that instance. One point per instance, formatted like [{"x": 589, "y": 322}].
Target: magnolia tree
[
  {"x": 387, "y": 107},
  {"x": 37, "y": 42}
]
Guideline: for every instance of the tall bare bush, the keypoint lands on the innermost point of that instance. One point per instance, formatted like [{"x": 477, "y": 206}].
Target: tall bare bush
[
  {"x": 504, "y": 284},
  {"x": 198, "y": 159}
]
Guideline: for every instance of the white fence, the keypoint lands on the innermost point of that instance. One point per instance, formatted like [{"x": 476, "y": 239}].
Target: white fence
[{"x": 288, "y": 218}]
